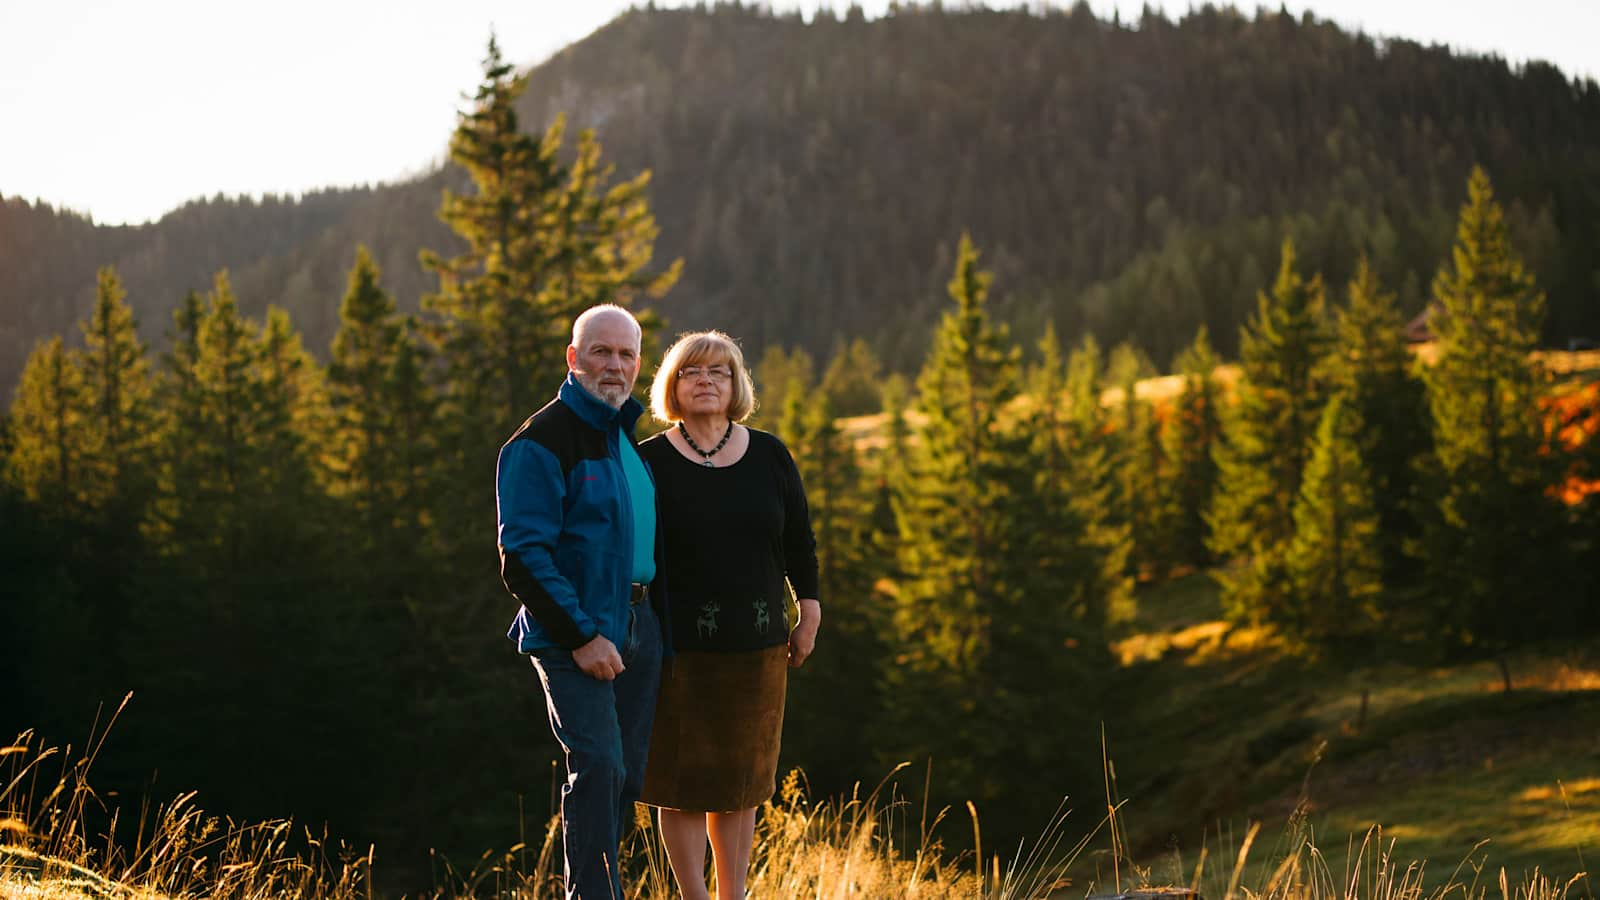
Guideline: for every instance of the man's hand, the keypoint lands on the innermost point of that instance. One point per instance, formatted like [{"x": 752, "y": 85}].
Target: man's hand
[
  {"x": 599, "y": 659},
  {"x": 803, "y": 639}
]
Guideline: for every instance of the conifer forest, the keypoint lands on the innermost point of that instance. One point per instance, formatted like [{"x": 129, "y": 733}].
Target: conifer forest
[{"x": 1055, "y": 313}]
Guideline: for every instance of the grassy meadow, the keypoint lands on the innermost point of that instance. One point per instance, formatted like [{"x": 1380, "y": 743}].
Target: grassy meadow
[
  {"x": 1446, "y": 764},
  {"x": 1242, "y": 772}
]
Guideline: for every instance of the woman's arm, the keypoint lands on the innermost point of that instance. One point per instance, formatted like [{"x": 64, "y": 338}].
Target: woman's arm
[
  {"x": 800, "y": 559},
  {"x": 803, "y": 639}
]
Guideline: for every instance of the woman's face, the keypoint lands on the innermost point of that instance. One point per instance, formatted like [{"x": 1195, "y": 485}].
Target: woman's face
[{"x": 705, "y": 388}]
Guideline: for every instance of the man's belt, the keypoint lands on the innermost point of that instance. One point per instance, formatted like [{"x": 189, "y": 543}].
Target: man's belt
[{"x": 638, "y": 593}]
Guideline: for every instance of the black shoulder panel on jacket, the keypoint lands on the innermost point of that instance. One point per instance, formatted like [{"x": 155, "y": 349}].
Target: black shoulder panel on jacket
[{"x": 558, "y": 429}]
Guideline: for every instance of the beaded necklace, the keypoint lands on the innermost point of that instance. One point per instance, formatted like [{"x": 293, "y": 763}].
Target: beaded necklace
[{"x": 705, "y": 455}]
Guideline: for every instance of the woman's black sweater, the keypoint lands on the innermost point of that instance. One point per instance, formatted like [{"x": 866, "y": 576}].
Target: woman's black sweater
[{"x": 730, "y": 537}]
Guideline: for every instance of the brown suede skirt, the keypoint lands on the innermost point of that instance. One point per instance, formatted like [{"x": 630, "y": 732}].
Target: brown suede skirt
[{"x": 714, "y": 746}]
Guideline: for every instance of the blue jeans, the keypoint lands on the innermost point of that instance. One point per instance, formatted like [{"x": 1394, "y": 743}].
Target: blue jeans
[{"x": 604, "y": 729}]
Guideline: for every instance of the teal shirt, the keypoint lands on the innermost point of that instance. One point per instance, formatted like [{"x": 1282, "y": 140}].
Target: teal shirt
[{"x": 642, "y": 492}]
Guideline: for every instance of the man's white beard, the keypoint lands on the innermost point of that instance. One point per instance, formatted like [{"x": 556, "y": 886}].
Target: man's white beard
[{"x": 611, "y": 395}]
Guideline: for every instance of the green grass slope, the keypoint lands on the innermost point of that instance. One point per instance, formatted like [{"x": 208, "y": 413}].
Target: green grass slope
[{"x": 1228, "y": 729}]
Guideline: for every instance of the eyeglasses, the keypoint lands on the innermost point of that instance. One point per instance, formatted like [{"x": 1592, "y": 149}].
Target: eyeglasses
[{"x": 717, "y": 374}]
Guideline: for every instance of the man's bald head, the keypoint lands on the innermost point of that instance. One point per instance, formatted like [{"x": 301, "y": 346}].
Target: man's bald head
[
  {"x": 603, "y": 312},
  {"x": 604, "y": 353}
]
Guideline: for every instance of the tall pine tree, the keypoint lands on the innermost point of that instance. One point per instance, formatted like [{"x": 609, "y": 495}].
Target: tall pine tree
[
  {"x": 1266, "y": 442},
  {"x": 1496, "y": 541},
  {"x": 981, "y": 640},
  {"x": 775, "y": 374},
  {"x": 291, "y": 419},
  {"x": 215, "y": 464},
  {"x": 1335, "y": 559},
  {"x": 1137, "y": 458},
  {"x": 1189, "y": 440},
  {"x": 854, "y": 378},
  {"x": 545, "y": 238},
  {"x": 380, "y": 417},
  {"x": 119, "y": 469},
  {"x": 47, "y": 427},
  {"x": 120, "y": 423},
  {"x": 952, "y": 512},
  {"x": 362, "y": 447},
  {"x": 829, "y": 702},
  {"x": 1373, "y": 368},
  {"x": 178, "y": 401},
  {"x": 1075, "y": 547},
  {"x": 951, "y": 509}
]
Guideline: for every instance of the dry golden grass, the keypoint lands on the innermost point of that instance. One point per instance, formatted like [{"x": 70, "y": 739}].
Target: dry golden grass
[
  {"x": 826, "y": 851},
  {"x": 1563, "y": 362},
  {"x": 1197, "y": 644}
]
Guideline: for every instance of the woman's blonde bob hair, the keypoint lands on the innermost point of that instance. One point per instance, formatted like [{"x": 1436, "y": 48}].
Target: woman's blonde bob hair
[{"x": 702, "y": 348}]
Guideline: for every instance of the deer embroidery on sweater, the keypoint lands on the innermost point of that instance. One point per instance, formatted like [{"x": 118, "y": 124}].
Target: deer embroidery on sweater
[{"x": 707, "y": 623}]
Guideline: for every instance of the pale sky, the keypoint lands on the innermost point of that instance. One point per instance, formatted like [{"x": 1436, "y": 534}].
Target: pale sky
[{"x": 125, "y": 110}]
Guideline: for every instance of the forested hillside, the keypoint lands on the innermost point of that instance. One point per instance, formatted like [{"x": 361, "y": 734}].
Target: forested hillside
[
  {"x": 1129, "y": 178},
  {"x": 285, "y": 554}
]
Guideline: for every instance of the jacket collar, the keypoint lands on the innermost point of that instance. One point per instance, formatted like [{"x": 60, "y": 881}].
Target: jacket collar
[{"x": 597, "y": 412}]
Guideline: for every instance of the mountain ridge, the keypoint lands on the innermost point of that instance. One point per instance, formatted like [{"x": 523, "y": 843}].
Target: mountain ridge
[{"x": 1133, "y": 182}]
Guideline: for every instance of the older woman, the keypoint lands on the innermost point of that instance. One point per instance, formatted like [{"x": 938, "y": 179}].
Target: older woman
[{"x": 735, "y": 527}]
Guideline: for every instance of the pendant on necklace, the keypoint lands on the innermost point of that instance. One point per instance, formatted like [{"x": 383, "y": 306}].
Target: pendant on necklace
[{"x": 709, "y": 464}]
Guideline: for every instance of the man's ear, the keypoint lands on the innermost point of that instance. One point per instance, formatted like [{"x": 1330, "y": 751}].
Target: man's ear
[{"x": 572, "y": 357}]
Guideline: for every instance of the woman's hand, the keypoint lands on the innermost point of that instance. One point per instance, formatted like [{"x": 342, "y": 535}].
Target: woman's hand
[{"x": 803, "y": 639}]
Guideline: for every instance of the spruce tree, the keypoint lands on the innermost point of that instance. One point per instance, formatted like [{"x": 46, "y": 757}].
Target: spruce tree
[
  {"x": 1067, "y": 581},
  {"x": 1373, "y": 368},
  {"x": 1084, "y": 375},
  {"x": 1089, "y": 447},
  {"x": 775, "y": 374},
  {"x": 1496, "y": 541},
  {"x": 834, "y": 490},
  {"x": 829, "y": 702},
  {"x": 120, "y": 427},
  {"x": 889, "y": 473},
  {"x": 1335, "y": 559},
  {"x": 1076, "y": 549},
  {"x": 1189, "y": 440},
  {"x": 1047, "y": 382},
  {"x": 951, "y": 508},
  {"x": 853, "y": 379},
  {"x": 545, "y": 238},
  {"x": 1266, "y": 441},
  {"x": 413, "y": 414},
  {"x": 380, "y": 415},
  {"x": 604, "y": 239},
  {"x": 48, "y": 550},
  {"x": 492, "y": 336},
  {"x": 979, "y": 637},
  {"x": 361, "y": 364},
  {"x": 223, "y": 586},
  {"x": 178, "y": 402},
  {"x": 215, "y": 475},
  {"x": 1137, "y": 458},
  {"x": 293, "y": 398},
  {"x": 119, "y": 470},
  {"x": 291, "y": 423},
  {"x": 951, "y": 514},
  {"x": 48, "y": 428}
]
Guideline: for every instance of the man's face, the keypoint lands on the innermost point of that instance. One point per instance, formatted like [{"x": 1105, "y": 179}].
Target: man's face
[{"x": 605, "y": 358}]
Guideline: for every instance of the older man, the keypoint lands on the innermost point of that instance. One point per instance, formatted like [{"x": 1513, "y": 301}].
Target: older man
[{"x": 578, "y": 549}]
